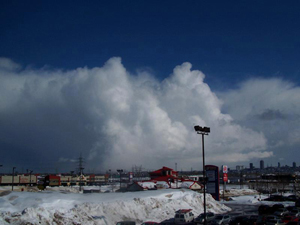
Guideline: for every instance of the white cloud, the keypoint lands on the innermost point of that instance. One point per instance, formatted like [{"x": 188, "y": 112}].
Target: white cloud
[
  {"x": 8, "y": 65},
  {"x": 271, "y": 106},
  {"x": 116, "y": 119}
]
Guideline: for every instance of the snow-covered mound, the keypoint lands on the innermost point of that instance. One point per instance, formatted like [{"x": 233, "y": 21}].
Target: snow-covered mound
[
  {"x": 238, "y": 192},
  {"x": 100, "y": 208}
]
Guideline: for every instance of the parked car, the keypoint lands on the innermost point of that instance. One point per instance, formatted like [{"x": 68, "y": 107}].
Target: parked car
[
  {"x": 126, "y": 223},
  {"x": 221, "y": 219},
  {"x": 253, "y": 219},
  {"x": 290, "y": 208},
  {"x": 209, "y": 217},
  {"x": 297, "y": 203},
  {"x": 271, "y": 217},
  {"x": 275, "y": 222},
  {"x": 168, "y": 222},
  {"x": 295, "y": 212},
  {"x": 183, "y": 216},
  {"x": 275, "y": 207},
  {"x": 149, "y": 223},
  {"x": 281, "y": 212},
  {"x": 292, "y": 198},
  {"x": 293, "y": 223},
  {"x": 264, "y": 209},
  {"x": 240, "y": 220},
  {"x": 287, "y": 219},
  {"x": 261, "y": 220}
]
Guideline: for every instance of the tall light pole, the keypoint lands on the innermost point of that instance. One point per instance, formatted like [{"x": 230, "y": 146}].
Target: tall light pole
[
  {"x": 177, "y": 175},
  {"x": 203, "y": 131},
  {"x": 120, "y": 171},
  {"x": 13, "y": 176},
  {"x": 30, "y": 172},
  {"x": 109, "y": 178}
]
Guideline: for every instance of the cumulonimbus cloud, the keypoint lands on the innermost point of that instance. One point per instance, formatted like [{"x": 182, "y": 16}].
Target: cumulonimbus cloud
[{"x": 117, "y": 119}]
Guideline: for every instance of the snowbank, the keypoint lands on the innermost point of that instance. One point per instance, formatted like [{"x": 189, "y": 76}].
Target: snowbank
[
  {"x": 238, "y": 192},
  {"x": 100, "y": 208}
]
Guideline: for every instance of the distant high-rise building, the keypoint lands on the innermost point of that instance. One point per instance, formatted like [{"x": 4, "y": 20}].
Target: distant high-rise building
[
  {"x": 251, "y": 166},
  {"x": 262, "y": 164},
  {"x": 294, "y": 164},
  {"x": 239, "y": 168},
  {"x": 278, "y": 164}
]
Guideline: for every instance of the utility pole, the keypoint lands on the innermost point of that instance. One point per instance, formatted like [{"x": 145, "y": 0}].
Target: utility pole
[{"x": 80, "y": 168}]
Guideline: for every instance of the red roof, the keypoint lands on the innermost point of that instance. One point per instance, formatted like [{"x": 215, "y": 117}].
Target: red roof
[
  {"x": 158, "y": 172},
  {"x": 162, "y": 169}
]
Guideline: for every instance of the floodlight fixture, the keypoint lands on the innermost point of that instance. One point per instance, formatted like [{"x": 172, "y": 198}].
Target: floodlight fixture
[{"x": 201, "y": 130}]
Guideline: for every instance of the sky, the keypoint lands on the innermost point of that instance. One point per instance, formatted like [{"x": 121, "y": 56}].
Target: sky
[{"x": 123, "y": 83}]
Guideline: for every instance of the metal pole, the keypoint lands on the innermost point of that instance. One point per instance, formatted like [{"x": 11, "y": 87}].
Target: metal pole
[
  {"x": 177, "y": 175},
  {"x": 13, "y": 176},
  {"x": 109, "y": 176},
  {"x": 223, "y": 188},
  {"x": 120, "y": 180},
  {"x": 204, "y": 177},
  {"x": 120, "y": 172},
  {"x": 30, "y": 178},
  {"x": 240, "y": 179},
  {"x": 203, "y": 131}
]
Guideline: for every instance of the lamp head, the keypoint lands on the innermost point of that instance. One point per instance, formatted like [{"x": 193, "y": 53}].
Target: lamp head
[{"x": 202, "y": 129}]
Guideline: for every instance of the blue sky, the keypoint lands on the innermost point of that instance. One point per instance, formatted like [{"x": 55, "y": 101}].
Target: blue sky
[
  {"x": 227, "y": 41},
  {"x": 238, "y": 46}
]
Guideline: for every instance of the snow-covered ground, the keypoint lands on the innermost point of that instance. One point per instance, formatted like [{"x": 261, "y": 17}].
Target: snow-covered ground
[{"x": 64, "y": 207}]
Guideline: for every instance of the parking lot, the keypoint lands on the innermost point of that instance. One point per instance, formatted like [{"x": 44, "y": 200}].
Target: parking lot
[{"x": 252, "y": 214}]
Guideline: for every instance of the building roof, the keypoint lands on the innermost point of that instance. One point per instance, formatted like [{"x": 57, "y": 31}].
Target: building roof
[{"x": 164, "y": 168}]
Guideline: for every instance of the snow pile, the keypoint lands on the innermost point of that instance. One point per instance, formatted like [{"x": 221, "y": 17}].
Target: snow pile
[
  {"x": 50, "y": 207},
  {"x": 186, "y": 184},
  {"x": 162, "y": 184},
  {"x": 238, "y": 192},
  {"x": 76, "y": 188},
  {"x": 147, "y": 185},
  {"x": 246, "y": 199}
]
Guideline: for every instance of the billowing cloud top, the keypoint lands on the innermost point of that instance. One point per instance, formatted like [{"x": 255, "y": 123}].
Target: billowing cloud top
[{"x": 117, "y": 119}]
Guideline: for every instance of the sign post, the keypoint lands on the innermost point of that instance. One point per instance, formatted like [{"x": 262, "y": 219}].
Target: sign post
[{"x": 225, "y": 179}]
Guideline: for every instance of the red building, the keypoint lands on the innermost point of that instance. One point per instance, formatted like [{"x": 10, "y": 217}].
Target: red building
[
  {"x": 164, "y": 174},
  {"x": 52, "y": 180},
  {"x": 172, "y": 179}
]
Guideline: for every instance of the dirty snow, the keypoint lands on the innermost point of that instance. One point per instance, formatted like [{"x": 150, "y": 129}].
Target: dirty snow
[{"x": 68, "y": 207}]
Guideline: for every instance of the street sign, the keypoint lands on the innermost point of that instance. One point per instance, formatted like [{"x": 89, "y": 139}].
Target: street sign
[
  {"x": 225, "y": 169},
  {"x": 225, "y": 177}
]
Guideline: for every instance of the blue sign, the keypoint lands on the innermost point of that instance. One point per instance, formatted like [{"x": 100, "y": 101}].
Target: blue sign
[{"x": 212, "y": 184}]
